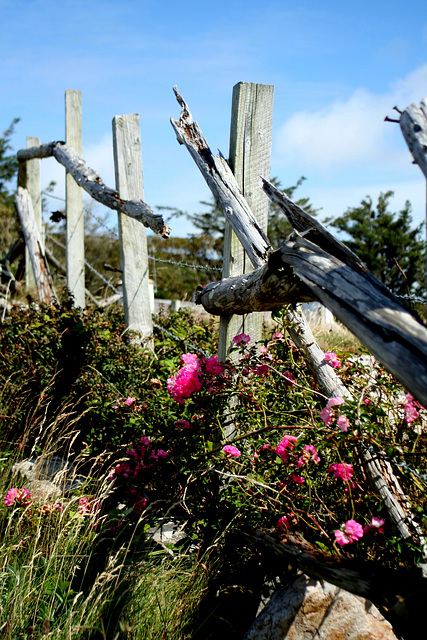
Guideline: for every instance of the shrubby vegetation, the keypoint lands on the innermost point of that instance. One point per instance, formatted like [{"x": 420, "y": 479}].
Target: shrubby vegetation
[{"x": 147, "y": 432}]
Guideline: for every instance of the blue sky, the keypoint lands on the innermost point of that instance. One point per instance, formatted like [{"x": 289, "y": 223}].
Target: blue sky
[{"x": 338, "y": 69}]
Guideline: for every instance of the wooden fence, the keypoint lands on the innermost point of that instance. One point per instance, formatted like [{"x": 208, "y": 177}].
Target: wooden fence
[{"x": 310, "y": 265}]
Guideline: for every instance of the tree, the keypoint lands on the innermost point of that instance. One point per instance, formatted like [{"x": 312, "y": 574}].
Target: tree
[
  {"x": 387, "y": 243},
  {"x": 8, "y": 171},
  {"x": 8, "y": 164}
]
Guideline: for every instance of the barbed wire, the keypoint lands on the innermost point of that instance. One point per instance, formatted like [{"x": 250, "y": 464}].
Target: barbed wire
[
  {"x": 403, "y": 465},
  {"x": 186, "y": 264},
  {"x": 412, "y": 299},
  {"x": 50, "y": 195},
  {"x": 88, "y": 265}
]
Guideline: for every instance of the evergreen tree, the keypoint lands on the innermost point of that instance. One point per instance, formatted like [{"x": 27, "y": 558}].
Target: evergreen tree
[
  {"x": 8, "y": 171},
  {"x": 388, "y": 244}
]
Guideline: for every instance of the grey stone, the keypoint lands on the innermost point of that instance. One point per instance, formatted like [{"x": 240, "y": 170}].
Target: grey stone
[{"x": 309, "y": 609}]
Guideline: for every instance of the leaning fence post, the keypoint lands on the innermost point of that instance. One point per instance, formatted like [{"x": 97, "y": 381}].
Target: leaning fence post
[
  {"x": 250, "y": 151},
  {"x": 74, "y": 202},
  {"x": 33, "y": 242},
  {"x": 132, "y": 234},
  {"x": 29, "y": 179}
]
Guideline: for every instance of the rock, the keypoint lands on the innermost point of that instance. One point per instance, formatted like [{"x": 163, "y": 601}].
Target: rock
[
  {"x": 48, "y": 477},
  {"x": 309, "y": 609}
]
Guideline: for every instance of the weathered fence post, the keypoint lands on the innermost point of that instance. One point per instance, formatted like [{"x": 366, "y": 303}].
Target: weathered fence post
[
  {"x": 29, "y": 179},
  {"x": 41, "y": 275},
  {"x": 250, "y": 150},
  {"x": 132, "y": 234},
  {"x": 74, "y": 202}
]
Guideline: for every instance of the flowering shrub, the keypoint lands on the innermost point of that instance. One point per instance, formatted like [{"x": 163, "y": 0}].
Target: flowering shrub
[{"x": 295, "y": 456}]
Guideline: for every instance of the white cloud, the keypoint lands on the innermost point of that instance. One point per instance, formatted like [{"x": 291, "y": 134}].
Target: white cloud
[{"x": 351, "y": 132}]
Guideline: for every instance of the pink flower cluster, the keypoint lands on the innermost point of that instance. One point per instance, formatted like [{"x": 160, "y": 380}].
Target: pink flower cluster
[
  {"x": 342, "y": 471},
  {"x": 285, "y": 450},
  {"x": 328, "y": 414},
  {"x": 88, "y": 506},
  {"x": 18, "y": 497},
  {"x": 410, "y": 410},
  {"x": 349, "y": 533},
  {"x": 241, "y": 340},
  {"x": 192, "y": 374},
  {"x": 376, "y": 525},
  {"x": 332, "y": 359},
  {"x": 231, "y": 450},
  {"x": 142, "y": 459},
  {"x": 129, "y": 403}
]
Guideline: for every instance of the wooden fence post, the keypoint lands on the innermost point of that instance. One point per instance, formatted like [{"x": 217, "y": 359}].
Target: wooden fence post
[
  {"x": 41, "y": 275},
  {"x": 29, "y": 179},
  {"x": 132, "y": 234},
  {"x": 250, "y": 150},
  {"x": 74, "y": 202}
]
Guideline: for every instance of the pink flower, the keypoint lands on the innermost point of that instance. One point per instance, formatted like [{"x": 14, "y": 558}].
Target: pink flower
[
  {"x": 283, "y": 523},
  {"x": 376, "y": 525},
  {"x": 20, "y": 497},
  {"x": 278, "y": 336},
  {"x": 285, "y": 446},
  {"x": 327, "y": 414},
  {"x": 88, "y": 507},
  {"x": 410, "y": 412},
  {"x": 341, "y": 471},
  {"x": 231, "y": 450},
  {"x": 241, "y": 340},
  {"x": 288, "y": 376},
  {"x": 190, "y": 360},
  {"x": 129, "y": 401},
  {"x": 297, "y": 479},
  {"x": 261, "y": 370},
  {"x": 335, "y": 402},
  {"x": 213, "y": 367},
  {"x": 160, "y": 453},
  {"x": 343, "y": 423},
  {"x": 263, "y": 350},
  {"x": 187, "y": 380},
  {"x": 332, "y": 359},
  {"x": 351, "y": 532},
  {"x": 367, "y": 402},
  {"x": 309, "y": 452}
]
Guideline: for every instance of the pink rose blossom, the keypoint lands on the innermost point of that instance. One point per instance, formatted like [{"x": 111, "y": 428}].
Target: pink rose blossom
[
  {"x": 343, "y": 423},
  {"x": 241, "y": 340},
  {"x": 231, "y": 450},
  {"x": 212, "y": 366},
  {"x": 278, "y": 336},
  {"x": 186, "y": 381},
  {"x": 285, "y": 446},
  {"x": 376, "y": 525},
  {"x": 283, "y": 523},
  {"x": 129, "y": 401},
  {"x": 351, "y": 532},
  {"x": 262, "y": 370},
  {"x": 21, "y": 497},
  {"x": 332, "y": 359},
  {"x": 297, "y": 479},
  {"x": 190, "y": 360},
  {"x": 410, "y": 411},
  {"x": 327, "y": 414},
  {"x": 309, "y": 452},
  {"x": 341, "y": 471}
]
